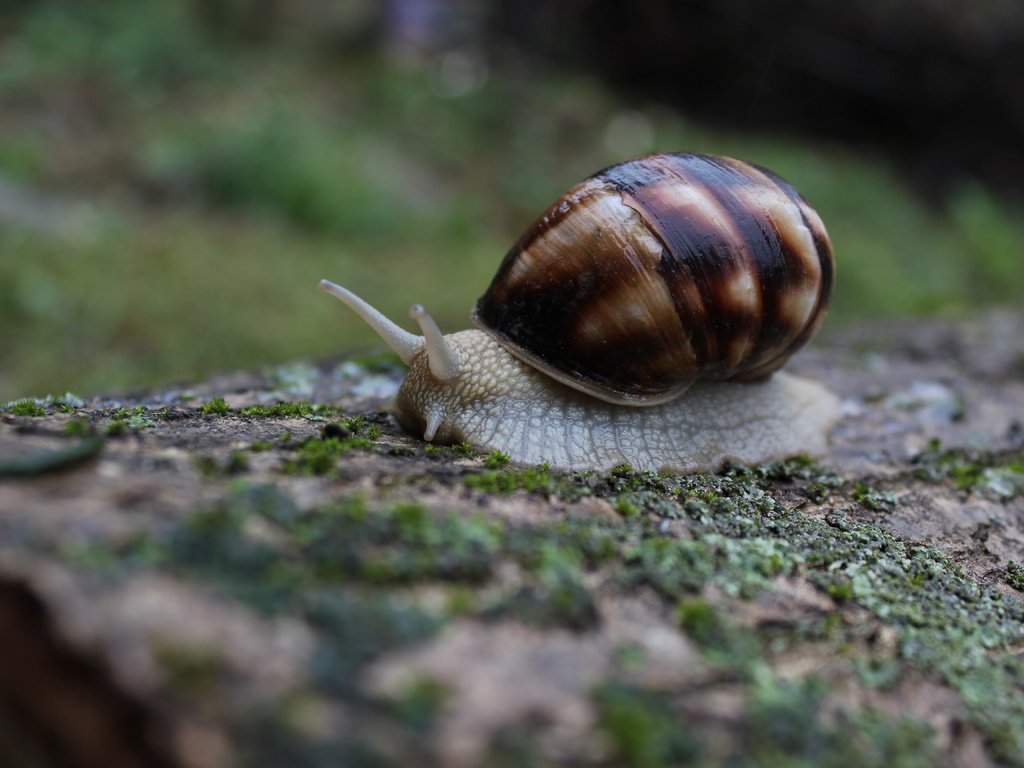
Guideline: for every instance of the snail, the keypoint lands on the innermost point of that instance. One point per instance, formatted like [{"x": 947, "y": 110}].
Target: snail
[{"x": 639, "y": 321}]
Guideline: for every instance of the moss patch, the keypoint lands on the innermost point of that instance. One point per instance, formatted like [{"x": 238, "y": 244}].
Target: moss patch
[
  {"x": 41, "y": 406},
  {"x": 997, "y": 474},
  {"x": 291, "y": 410},
  {"x": 351, "y": 570},
  {"x": 25, "y": 408},
  {"x": 450, "y": 452},
  {"x": 643, "y": 729},
  {"x": 320, "y": 455},
  {"x": 216, "y": 407}
]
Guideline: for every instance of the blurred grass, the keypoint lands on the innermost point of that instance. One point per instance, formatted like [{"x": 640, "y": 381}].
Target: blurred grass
[{"x": 169, "y": 196}]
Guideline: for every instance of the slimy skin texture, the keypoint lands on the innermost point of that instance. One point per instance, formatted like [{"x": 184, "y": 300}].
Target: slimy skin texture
[{"x": 499, "y": 403}]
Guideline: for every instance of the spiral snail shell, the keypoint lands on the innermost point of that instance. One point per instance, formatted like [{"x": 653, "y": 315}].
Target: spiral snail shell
[{"x": 637, "y": 321}]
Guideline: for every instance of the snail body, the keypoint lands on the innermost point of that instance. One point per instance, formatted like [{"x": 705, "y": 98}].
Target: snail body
[{"x": 638, "y": 322}]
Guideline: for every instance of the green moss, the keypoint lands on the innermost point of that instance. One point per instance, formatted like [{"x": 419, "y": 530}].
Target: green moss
[
  {"x": 783, "y": 725},
  {"x": 531, "y": 479},
  {"x": 216, "y": 407},
  {"x": 678, "y": 567},
  {"x": 68, "y": 402},
  {"x": 722, "y": 643},
  {"x": 557, "y": 597},
  {"x": 672, "y": 567},
  {"x": 354, "y": 629},
  {"x": 625, "y": 507},
  {"x": 1014, "y": 575},
  {"x": 873, "y": 499},
  {"x": 565, "y": 603},
  {"x": 816, "y": 492},
  {"x": 318, "y": 456},
  {"x": 291, "y": 410},
  {"x": 27, "y": 407},
  {"x": 643, "y": 728},
  {"x": 205, "y": 465},
  {"x": 1005, "y": 482},
  {"x": 77, "y": 428},
  {"x": 138, "y": 422},
  {"x": 840, "y": 591},
  {"x": 1001, "y": 475},
  {"x": 801, "y": 467},
  {"x": 402, "y": 544},
  {"x": 450, "y": 452},
  {"x": 236, "y": 463},
  {"x": 496, "y": 460},
  {"x": 36, "y": 407},
  {"x": 338, "y": 565},
  {"x": 126, "y": 419},
  {"x": 137, "y": 551},
  {"x": 420, "y": 704},
  {"x": 742, "y": 539},
  {"x": 883, "y": 672}
]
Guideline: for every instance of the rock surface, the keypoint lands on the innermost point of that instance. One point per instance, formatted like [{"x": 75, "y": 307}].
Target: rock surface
[{"x": 203, "y": 576}]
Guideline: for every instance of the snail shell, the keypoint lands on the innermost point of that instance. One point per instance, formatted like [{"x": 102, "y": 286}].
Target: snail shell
[
  {"x": 659, "y": 271},
  {"x": 676, "y": 282}
]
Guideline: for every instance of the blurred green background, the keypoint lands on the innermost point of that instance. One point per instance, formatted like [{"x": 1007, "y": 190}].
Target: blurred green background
[{"x": 176, "y": 176}]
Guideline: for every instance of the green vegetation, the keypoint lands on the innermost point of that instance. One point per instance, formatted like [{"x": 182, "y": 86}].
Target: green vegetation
[
  {"x": 783, "y": 726},
  {"x": 291, "y": 410},
  {"x": 1014, "y": 576},
  {"x": 531, "y": 479},
  {"x": 343, "y": 569},
  {"x": 284, "y": 410},
  {"x": 77, "y": 428},
  {"x": 216, "y": 407},
  {"x": 41, "y": 406},
  {"x": 319, "y": 455},
  {"x": 999, "y": 475},
  {"x": 207, "y": 177},
  {"x": 26, "y": 408},
  {"x": 135, "y": 419},
  {"x": 496, "y": 460},
  {"x": 449, "y": 452},
  {"x": 643, "y": 728},
  {"x": 352, "y": 570},
  {"x": 723, "y": 643},
  {"x": 236, "y": 463}
]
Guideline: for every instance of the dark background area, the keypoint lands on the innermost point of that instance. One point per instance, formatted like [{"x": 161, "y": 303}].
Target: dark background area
[{"x": 936, "y": 86}]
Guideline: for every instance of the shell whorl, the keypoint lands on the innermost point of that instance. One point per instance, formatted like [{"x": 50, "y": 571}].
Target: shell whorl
[{"x": 662, "y": 270}]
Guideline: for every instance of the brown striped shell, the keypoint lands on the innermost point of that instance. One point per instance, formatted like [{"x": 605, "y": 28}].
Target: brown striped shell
[{"x": 662, "y": 270}]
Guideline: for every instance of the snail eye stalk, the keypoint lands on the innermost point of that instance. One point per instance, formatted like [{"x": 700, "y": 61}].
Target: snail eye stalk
[
  {"x": 402, "y": 343},
  {"x": 443, "y": 360}
]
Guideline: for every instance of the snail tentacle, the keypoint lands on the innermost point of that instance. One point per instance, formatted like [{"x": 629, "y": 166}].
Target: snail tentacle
[
  {"x": 402, "y": 343},
  {"x": 434, "y": 417},
  {"x": 443, "y": 360}
]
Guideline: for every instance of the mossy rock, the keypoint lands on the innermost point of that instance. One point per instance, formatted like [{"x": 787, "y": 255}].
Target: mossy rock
[{"x": 244, "y": 573}]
